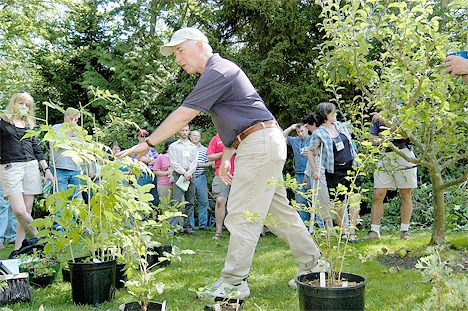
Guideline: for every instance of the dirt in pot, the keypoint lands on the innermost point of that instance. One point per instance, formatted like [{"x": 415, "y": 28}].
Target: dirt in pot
[{"x": 336, "y": 281}]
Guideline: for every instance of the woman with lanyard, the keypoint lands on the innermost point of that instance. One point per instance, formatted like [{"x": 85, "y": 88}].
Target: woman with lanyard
[
  {"x": 334, "y": 140},
  {"x": 20, "y": 159}
]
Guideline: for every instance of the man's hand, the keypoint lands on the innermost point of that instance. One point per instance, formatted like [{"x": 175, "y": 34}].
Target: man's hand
[
  {"x": 225, "y": 166},
  {"x": 140, "y": 149},
  {"x": 224, "y": 172},
  {"x": 376, "y": 117},
  {"x": 48, "y": 175},
  {"x": 305, "y": 183},
  {"x": 187, "y": 176},
  {"x": 456, "y": 65}
]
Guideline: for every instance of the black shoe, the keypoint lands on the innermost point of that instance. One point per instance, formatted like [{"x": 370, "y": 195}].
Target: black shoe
[
  {"x": 189, "y": 231},
  {"x": 30, "y": 241},
  {"x": 13, "y": 254}
]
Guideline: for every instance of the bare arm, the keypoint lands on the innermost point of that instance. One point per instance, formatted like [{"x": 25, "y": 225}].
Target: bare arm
[
  {"x": 48, "y": 174},
  {"x": 310, "y": 157},
  {"x": 162, "y": 173},
  {"x": 173, "y": 123},
  {"x": 215, "y": 156},
  {"x": 289, "y": 129},
  {"x": 374, "y": 139},
  {"x": 377, "y": 117},
  {"x": 205, "y": 164}
]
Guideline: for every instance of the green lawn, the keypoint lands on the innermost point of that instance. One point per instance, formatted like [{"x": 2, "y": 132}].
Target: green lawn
[{"x": 272, "y": 267}]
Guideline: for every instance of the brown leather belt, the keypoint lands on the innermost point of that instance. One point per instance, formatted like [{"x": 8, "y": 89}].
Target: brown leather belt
[{"x": 252, "y": 129}]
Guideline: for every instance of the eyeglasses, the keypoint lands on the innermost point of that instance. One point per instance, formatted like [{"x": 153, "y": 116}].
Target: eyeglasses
[{"x": 143, "y": 136}]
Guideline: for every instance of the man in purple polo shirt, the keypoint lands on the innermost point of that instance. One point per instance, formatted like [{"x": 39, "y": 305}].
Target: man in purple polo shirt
[{"x": 243, "y": 123}]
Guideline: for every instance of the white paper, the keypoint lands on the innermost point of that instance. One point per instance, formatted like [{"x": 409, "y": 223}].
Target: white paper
[{"x": 182, "y": 183}]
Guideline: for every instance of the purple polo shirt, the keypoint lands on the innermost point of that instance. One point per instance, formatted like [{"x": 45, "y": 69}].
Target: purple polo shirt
[{"x": 226, "y": 93}]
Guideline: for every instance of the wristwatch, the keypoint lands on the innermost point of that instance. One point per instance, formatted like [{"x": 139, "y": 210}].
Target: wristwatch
[{"x": 148, "y": 142}]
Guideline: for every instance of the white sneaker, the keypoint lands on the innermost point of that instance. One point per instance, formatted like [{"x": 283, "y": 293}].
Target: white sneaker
[
  {"x": 321, "y": 266},
  {"x": 225, "y": 290}
]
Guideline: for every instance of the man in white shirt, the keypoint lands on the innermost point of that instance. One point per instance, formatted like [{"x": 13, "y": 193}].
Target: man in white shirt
[{"x": 184, "y": 160}]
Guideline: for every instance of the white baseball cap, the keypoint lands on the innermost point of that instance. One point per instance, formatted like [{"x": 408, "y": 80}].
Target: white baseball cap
[{"x": 182, "y": 35}]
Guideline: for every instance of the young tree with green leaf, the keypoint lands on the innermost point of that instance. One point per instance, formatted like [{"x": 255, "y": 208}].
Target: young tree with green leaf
[{"x": 393, "y": 53}]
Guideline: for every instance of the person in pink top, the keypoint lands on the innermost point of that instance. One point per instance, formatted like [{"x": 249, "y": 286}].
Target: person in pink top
[
  {"x": 220, "y": 189},
  {"x": 162, "y": 169}
]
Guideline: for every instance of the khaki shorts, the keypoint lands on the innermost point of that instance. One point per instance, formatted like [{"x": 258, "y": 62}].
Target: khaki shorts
[
  {"x": 21, "y": 178},
  {"x": 394, "y": 172},
  {"x": 219, "y": 188}
]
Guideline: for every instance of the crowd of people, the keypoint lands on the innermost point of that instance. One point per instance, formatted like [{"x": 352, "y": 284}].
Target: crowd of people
[{"x": 249, "y": 137}]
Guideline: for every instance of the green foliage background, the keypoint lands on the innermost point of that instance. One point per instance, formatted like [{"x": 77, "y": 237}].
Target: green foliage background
[{"x": 65, "y": 51}]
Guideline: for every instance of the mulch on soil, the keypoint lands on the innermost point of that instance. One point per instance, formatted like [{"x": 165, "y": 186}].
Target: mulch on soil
[{"x": 409, "y": 262}]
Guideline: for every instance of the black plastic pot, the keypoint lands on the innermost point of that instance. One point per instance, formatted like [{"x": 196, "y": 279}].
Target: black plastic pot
[
  {"x": 92, "y": 283},
  {"x": 135, "y": 306},
  {"x": 313, "y": 298},
  {"x": 120, "y": 276},
  {"x": 43, "y": 280},
  {"x": 153, "y": 259},
  {"x": 66, "y": 274}
]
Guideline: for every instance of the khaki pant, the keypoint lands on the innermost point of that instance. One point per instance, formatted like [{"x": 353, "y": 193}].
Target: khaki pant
[{"x": 260, "y": 158}]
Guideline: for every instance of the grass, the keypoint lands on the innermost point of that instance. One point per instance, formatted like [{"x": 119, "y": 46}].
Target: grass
[{"x": 272, "y": 267}]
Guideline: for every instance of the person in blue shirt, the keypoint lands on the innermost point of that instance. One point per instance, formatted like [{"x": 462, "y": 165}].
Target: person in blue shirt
[
  {"x": 7, "y": 222},
  {"x": 299, "y": 144}
]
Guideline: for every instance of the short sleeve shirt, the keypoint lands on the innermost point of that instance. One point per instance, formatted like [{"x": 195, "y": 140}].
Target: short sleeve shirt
[
  {"x": 162, "y": 163},
  {"x": 217, "y": 146},
  {"x": 226, "y": 93},
  {"x": 57, "y": 159},
  {"x": 298, "y": 146},
  {"x": 202, "y": 158},
  {"x": 376, "y": 128}
]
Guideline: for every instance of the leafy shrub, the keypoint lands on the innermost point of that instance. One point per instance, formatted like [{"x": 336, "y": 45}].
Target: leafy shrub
[{"x": 456, "y": 209}]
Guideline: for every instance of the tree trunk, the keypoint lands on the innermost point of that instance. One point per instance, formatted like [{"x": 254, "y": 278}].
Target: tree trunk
[
  {"x": 438, "y": 231},
  {"x": 154, "y": 16}
]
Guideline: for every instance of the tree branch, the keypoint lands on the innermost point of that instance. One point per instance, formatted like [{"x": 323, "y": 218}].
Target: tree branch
[
  {"x": 455, "y": 159},
  {"x": 454, "y": 182}
]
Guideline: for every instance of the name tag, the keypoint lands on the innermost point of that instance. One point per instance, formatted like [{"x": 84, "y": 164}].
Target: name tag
[{"x": 339, "y": 146}]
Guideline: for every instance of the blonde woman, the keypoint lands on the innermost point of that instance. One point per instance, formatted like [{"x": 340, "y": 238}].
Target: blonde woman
[{"x": 19, "y": 162}]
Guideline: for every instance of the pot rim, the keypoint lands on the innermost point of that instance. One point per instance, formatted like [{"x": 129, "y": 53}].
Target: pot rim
[{"x": 343, "y": 274}]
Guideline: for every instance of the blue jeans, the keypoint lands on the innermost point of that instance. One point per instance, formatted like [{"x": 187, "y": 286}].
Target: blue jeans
[
  {"x": 66, "y": 178},
  {"x": 305, "y": 216},
  {"x": 202, "y": 198},
  {"x": 7, "y": 220},
  {"x": 146, "y": 179}
]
